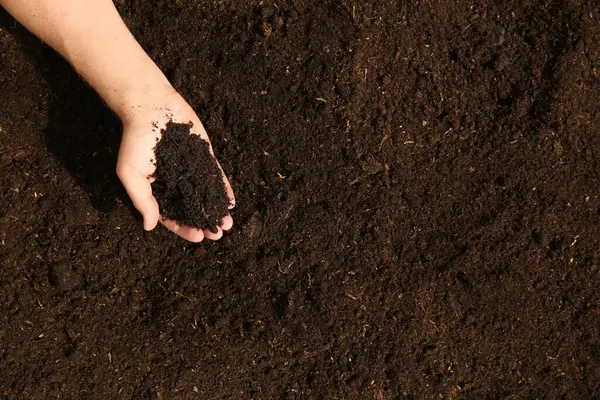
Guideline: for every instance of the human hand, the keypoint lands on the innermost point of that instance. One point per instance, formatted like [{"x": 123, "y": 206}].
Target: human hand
[
  {"x": 95, "y": 40},
  {"x": 141, "y": 128}
]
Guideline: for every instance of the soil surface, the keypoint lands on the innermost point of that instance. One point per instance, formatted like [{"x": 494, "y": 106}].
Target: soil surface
[
  {"x": 418, "y": 208},
  {"x": 188, "y": 182}
]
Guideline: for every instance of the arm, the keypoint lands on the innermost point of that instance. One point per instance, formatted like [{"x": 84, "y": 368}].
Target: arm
[{"x": 92, "y": 37}]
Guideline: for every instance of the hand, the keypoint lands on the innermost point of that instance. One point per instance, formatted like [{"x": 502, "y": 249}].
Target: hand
[
  {"x": 141, "y": 128},
  {"x": 93, "y": 38}
]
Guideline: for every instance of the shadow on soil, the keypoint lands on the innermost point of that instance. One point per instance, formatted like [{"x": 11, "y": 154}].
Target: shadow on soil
[{"x": 82, "y": 133}]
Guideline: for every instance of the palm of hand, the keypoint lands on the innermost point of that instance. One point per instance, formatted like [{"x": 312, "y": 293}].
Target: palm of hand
[{"x": 135, "y": 167}]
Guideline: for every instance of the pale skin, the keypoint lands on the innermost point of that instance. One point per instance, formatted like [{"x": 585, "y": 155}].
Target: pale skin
[{"x": 91, "y": 35}]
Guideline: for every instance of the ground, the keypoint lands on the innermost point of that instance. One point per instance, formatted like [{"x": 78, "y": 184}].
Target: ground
[{"x": 418, "y": 208}]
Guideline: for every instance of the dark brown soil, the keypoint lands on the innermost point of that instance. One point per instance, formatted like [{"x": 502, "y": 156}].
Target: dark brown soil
[
  {"x": 188, "y": 182},
  {"x": 418, "y": 208}
]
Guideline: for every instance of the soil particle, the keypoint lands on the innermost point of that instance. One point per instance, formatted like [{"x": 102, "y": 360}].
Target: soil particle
[
  {"x": 541, "y": 238},
  {"x": 66, "y": 276}
]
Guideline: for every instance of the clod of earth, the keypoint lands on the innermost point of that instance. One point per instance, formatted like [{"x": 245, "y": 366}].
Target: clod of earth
[{"x": 189, "y": 183}]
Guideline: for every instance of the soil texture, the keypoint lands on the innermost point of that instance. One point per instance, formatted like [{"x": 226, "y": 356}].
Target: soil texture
[
  {"x": 417, "y": 208},
  {"x": 188, "y": 183}
]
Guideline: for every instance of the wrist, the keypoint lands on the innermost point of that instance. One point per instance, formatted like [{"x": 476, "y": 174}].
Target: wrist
[
  {"x": 141, "y": 99},
  {"x": 109, "y": 58}
]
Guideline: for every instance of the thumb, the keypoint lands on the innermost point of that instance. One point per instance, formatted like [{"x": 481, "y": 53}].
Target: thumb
[{"x": 140, "y": 191}]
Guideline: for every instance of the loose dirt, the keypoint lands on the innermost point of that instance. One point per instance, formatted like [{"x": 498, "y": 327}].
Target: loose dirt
[
  {"x": 188, "y": 183},
  {"x": 418, "y": 208}
]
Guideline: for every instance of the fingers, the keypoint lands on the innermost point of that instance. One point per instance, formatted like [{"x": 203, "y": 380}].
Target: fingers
[
  {"x": 197, "y": 235},
  {"x": 229, "y": 191},
  {"x": 226, "y": 223},
  {"x": 139, "y": 190},
  {"x": 228, "y": 188},
  {"x": 185, "y": 232},
  {"x": 213, "y": 235}
]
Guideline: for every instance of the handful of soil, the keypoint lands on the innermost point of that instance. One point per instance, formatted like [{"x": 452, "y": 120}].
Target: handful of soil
[{"x": 189, "y": 183}]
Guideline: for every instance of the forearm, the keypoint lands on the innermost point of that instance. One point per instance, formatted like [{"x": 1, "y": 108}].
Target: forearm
[{"x": 92, "y": 37}]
